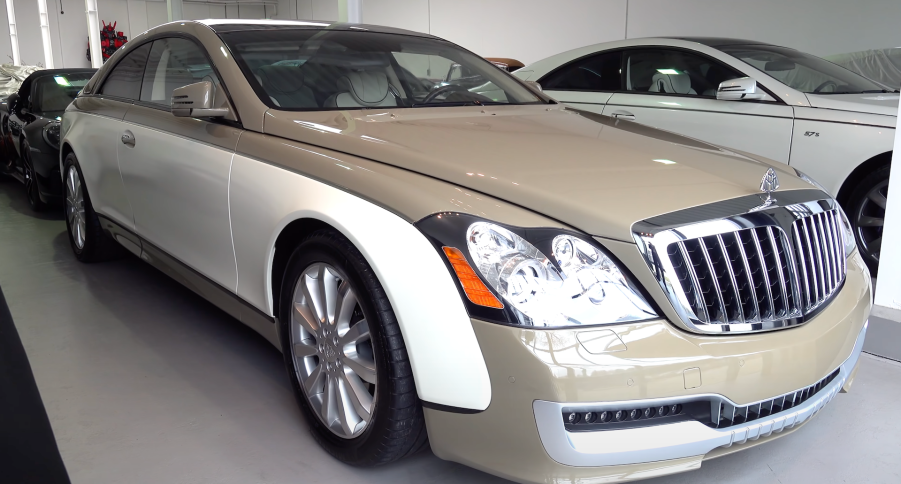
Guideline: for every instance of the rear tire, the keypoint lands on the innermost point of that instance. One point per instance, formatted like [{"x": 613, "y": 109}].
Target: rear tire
[
  {"x": 86, "y": 236},
  {"x": 32, "y": 189},
  {"x": 327, "y": 267},
  {"x": 866, "y": 211}
]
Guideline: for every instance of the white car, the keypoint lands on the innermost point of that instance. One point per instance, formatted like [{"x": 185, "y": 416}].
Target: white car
[{"x": 770, "y": 101}]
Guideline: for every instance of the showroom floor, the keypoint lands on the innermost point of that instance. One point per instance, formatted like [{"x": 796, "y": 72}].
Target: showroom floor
[{"x": 145, "y": 382}]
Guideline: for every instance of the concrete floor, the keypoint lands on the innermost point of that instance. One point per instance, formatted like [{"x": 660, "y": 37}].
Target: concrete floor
[{"x": 145, "y": 382}]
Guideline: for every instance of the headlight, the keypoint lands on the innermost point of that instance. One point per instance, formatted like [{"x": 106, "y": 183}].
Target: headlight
[
  {"x": 51, "y": 134},
  {"x": 847, "y": 234},
  {"x": 579, "y": 285}
]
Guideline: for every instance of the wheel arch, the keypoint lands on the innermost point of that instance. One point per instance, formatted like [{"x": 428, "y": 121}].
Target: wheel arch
[
  {"x": 289, "y": 238},
  {"x": 859, "y": 173}
]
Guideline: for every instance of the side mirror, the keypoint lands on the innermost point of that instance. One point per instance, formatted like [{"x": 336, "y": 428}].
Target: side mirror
[
  {"x": 741, "y": 89},
  {"x": 534, "y": 85},
  {"x": 196, "y": 100},
  {"x": 13, "y": 102}
]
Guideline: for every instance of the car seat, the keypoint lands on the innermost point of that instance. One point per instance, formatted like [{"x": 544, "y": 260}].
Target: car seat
[
  {"x": 671, "y": 83},
  {"x": 369, "y": 88},
  {"x": 285, "y": 86}
]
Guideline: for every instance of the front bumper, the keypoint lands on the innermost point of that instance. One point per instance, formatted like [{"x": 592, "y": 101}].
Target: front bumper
[
  {"x": 536, "y": 374},
  {"x": 671, "y": 441}
]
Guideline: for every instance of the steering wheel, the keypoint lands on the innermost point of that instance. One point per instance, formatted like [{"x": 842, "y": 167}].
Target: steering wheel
[
  {"x": 443, "y": 90},
  {"x": 826, "y": 84}
]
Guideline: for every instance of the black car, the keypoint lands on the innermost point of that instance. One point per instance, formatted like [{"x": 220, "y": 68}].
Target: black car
[{"x": 29, "y": 125}]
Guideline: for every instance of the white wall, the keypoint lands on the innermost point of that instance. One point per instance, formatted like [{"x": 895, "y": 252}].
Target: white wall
[
  {"x": 530, "y": 30},
  {"x": 820, "y": 27}
]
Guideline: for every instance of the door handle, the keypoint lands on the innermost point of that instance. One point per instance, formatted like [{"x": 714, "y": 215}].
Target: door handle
[
  {"x": 623, "y": 115},
  {"x": 128, "y": 138}
]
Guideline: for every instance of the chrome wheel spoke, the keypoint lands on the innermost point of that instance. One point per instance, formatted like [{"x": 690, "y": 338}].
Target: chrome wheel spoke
[
  {"x": 312, "y": 294},
  {"x": 363, "y": 368},
  {"x": 327, "y": 412},
  {"x": 347, "y": 415},
  {"x": 878, "y": 198},
  {"x": 328, "y": 289},
  {"x": 313, "y": 383},
  {"x": 305, "y": 318},
  {"x": 359, "y": 396},
  {"x": 867, "y": 221},
  {"x": 356, "y": 334},
  {"x": 347, "y": 301},
  {"x": 303, "y": 350}
]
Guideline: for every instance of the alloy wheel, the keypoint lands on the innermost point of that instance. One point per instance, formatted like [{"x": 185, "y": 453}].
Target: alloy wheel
[
  {"x": 870, "y": 219},
  {"x": 331, "y": 347},
  {"x": 75, "y": 207}
]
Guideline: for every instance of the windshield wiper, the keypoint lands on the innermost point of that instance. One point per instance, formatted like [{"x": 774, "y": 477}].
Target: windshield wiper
[{"x": 876, "y": 91}]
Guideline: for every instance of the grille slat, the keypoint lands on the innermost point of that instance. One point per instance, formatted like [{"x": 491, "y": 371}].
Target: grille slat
[{"x": 761, "y": 274}]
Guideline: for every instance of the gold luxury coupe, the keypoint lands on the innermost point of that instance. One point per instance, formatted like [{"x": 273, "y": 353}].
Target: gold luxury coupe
[{"x": 546, "y": 294}]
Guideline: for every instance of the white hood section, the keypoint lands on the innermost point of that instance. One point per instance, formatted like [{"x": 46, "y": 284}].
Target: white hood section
[{"x": 871, "y": 103}]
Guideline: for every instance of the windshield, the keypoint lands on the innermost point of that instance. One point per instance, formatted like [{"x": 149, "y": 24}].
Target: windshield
[
  {"x": 803, "y": 72},
  {"x": 338, "y": 69},
  {"x": 52, "y": 94}
]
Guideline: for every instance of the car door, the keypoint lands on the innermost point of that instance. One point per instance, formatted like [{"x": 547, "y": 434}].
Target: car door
[
  {"x": 98, "y": 132},
  {"x": 176, "y": 169},
  {"x": 675, "y": 90},
  {"x": 586, "y": 83}
]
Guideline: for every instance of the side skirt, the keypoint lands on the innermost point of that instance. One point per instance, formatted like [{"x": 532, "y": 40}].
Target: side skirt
[{"x": 195, "y": 281}]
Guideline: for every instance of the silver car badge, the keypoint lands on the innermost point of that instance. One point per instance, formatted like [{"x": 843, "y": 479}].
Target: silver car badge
[
  {"x": 770, "y": 182},
  {"x": 768, "y": 185}
]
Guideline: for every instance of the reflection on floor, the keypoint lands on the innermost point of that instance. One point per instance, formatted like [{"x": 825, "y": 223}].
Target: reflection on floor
[{"x": 144, "y": 382}]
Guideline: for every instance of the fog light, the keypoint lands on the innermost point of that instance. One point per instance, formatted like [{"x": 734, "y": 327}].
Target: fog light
[
  {"x": 662, "y": 411},
  {"x": 676, "y": 409},
  {"x": 604, "y": 417},
  {"x": 573, "y": 418},
  {"x": 635, "y": 414},
  {"x": 619, "y": 415},
  {"x": 649, "y": 412},
  {"x": 590, "y": 417}
]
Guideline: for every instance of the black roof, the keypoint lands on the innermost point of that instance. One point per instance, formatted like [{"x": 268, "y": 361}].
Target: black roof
[
  {"x": 302, "y": 25},
  {"x": 720, "y": 41}
]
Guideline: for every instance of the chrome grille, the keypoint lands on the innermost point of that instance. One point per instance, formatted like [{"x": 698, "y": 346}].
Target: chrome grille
[
  {"x": 738, "y": 277},
  {"x": 772, "y": 267}
]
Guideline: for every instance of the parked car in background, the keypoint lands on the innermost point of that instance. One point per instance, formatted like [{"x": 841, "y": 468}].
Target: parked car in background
[
  {"x": 775, "y": 102},
  {"x": 31, "y": 127},
  {"x": 538, "y": 292},
  {"x": 11, "y": 78}
]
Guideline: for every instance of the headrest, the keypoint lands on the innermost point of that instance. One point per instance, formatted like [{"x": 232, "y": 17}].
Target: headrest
[
  {"x": 672, "y": 83},
  {"x": 368, "y": 88},
  {"x": 280, "y": 78}
]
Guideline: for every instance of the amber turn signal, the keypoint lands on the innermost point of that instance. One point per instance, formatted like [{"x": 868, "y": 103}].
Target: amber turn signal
[{"x": 473, "y": 286}]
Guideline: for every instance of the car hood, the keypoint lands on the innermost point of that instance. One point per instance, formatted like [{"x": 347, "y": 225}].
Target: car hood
[
  {"x": 588, "y": 171},
  {"x": 872, "y": 103}
]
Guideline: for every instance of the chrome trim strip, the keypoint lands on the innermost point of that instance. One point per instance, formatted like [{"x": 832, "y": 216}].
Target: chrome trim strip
[
  {"x": 716, "y": 283},
  {"x": 744, "y": 258},
  {"x": 695, "y": 282},
  {"x": 775, "y": 246},
  {"x": 671, "y": 441},
  {"x": 728, "y": 261},
  {"x": 766, "y": 276}
]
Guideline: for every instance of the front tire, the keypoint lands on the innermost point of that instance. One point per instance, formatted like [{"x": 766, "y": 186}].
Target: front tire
[
  {"x": 86, "y": 236},
  {"x": 866, "y": 206},
  {"x": 345, "y": 355}
]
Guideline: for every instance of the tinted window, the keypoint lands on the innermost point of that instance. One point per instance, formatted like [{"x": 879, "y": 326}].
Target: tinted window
[
  {"x": 596, "y": 73},
  {"x": 125, "y": 79},
  {"x": 174, "y": 63},
  {"x": 675, "y": 72},
  {"x": 339, "y": 69},
  {"x": 52, "y": 94}
]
